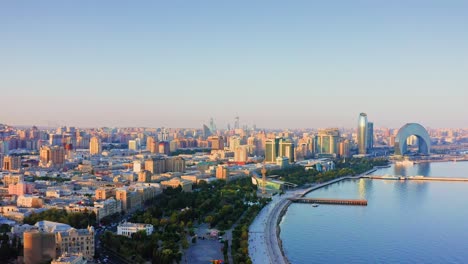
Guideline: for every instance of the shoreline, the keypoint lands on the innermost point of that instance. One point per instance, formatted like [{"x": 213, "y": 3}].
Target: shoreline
[
  {"x": 271, "y": 217},
  {"x": 268, "y": 248}
]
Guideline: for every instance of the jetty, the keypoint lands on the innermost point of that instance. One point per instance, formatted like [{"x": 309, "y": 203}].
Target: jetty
[
  {"x": 328, "y": 201},
  {"x": 418, "y": 178}
]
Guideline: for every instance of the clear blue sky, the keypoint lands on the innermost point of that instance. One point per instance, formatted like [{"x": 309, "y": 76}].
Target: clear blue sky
[{"x": 273, "y": 63}]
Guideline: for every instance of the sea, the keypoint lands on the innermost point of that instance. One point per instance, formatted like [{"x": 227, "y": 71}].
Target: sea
[{"x": 404, "y": 221}]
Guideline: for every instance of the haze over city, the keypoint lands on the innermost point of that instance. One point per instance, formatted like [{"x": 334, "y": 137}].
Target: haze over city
[
  {"x": 176, "y": 64},
  {"x": 233, "y": 132}
]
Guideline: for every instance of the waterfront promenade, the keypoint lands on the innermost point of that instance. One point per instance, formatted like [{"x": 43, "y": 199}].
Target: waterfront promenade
[{"x": 265, "y": 246}]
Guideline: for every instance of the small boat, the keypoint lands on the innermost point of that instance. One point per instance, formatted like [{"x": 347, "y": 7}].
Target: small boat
[{"x": 314, "y": 205}]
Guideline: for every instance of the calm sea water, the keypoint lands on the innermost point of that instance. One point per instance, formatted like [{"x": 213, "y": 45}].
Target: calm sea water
[{"x": 404, "y": 222}]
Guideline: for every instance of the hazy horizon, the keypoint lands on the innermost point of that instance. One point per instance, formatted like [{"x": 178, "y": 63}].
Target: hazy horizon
[{"x": 276, "y": 65}]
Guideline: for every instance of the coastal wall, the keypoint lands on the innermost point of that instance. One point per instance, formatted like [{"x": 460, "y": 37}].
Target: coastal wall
[{"x": 283, "y": 211}]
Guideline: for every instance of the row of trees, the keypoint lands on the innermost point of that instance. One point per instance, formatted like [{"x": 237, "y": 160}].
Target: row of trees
[
  {"x": 9, "y": 249},
  {"x": 298, "y": 174},
  {"x": 240, "y": 235},
  {"x": 76, "y": 220},
  {"x": 174, "y": 215}
]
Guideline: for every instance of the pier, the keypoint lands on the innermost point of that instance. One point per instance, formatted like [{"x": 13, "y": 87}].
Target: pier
[
  {"x": 328, "y": 201},
  {"x": 418, "y": 178}
]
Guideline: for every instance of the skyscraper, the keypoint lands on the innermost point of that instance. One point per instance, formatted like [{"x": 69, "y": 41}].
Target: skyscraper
[
  {"x": 279, "y": 147},
  {"x": 327, "y": 141},
  {"x": 370, "y": 135},
  {"x": 362, "y": 133},
  {"x": 95, "y": 147}
]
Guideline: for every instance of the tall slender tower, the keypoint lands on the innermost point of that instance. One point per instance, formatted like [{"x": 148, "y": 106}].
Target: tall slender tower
[
  {"x": 362, "y": 133},
  {"x": 370, "y": 136}
]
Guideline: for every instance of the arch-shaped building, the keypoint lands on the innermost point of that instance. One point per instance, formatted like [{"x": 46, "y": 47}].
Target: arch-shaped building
[{"x": 410, "y": 129}]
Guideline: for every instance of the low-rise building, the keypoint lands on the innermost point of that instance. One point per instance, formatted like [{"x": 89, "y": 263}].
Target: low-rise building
[
  {"x": 69, "y": 239},
  {"x": 107, "y": 207},
  {"x": 29, "y": 201},
  {"x": 21, "y": 188},
  {"x": 128, "y": 229},
  {"x": 70, "y": 259},
  {"x": 176, "y": 182},
  {"x": 12, "y": 179},
  {"x": 103, "y": 193}
]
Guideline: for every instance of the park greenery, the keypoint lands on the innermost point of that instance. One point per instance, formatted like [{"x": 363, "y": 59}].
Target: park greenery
[
  {"x": 76, "y": 220},
  {"x": 240, "y": 235},
  {"x": 9, "y": 248},
  {"x": 176, "y": 214},
  {"x": 190, "y": 151},
  {"x": 350, "y": 167}
]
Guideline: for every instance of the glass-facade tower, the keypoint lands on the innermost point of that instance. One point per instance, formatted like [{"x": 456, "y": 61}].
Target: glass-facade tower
[
  {"x": 370, "y": 136},
  {"x": 362, "y": 133}
]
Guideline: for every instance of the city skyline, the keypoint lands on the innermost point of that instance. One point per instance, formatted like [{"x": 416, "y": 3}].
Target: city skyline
[{"x": 299, "y": 65}]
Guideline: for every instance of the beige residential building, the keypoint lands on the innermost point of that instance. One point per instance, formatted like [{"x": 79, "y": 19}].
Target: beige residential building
[
  {"x": 155, "y": 165},
  {"x": 29, "y": 201},
  {"x": 222, "y": 172},
  {"x": 176, "y": 182},
  {"x": 144, "y": 176},
  {"x": 131, "y": 200},
  {"x": 151, "y": 145},
  {"x": 11, "y": 179},
  {"x": 175, "y": 164},
  {"x": 103, "y": 193},
  {"x": 69, "y": 239},
  {"x": 95, "y": 146},
  {"x": 107, "y": 207},
  {"x": 52, "y": 156},
  {"x": 12, "y": 163}
]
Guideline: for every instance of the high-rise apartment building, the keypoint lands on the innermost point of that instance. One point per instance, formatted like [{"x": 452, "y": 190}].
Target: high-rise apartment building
[
  {"x": 271, "y": 150},
  {"x": 52, "y": 156},
  {"x": 362, "y": 133},
  {"x": 144, "y": 176},
  {"x": 151, "y": 145},
  {"x": 175, "y": 164},
  {"x": 55, "y": 139},
  {"x": 326, "y": 141},
  {"x": 164, "y": 147},
  {"x": 234, "y": 142},
  {"x": 343, "y": 149},
  {"x": 95, "y": 146},
  {"x": 241, "y": 154},
  {"x": 279, "y": 147},
  {"x": 222, "y": 172},
  {"x": 155, "y": 165},
  {"x": 217, "y": 142},
  {"x": 11, "y": 163}
]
